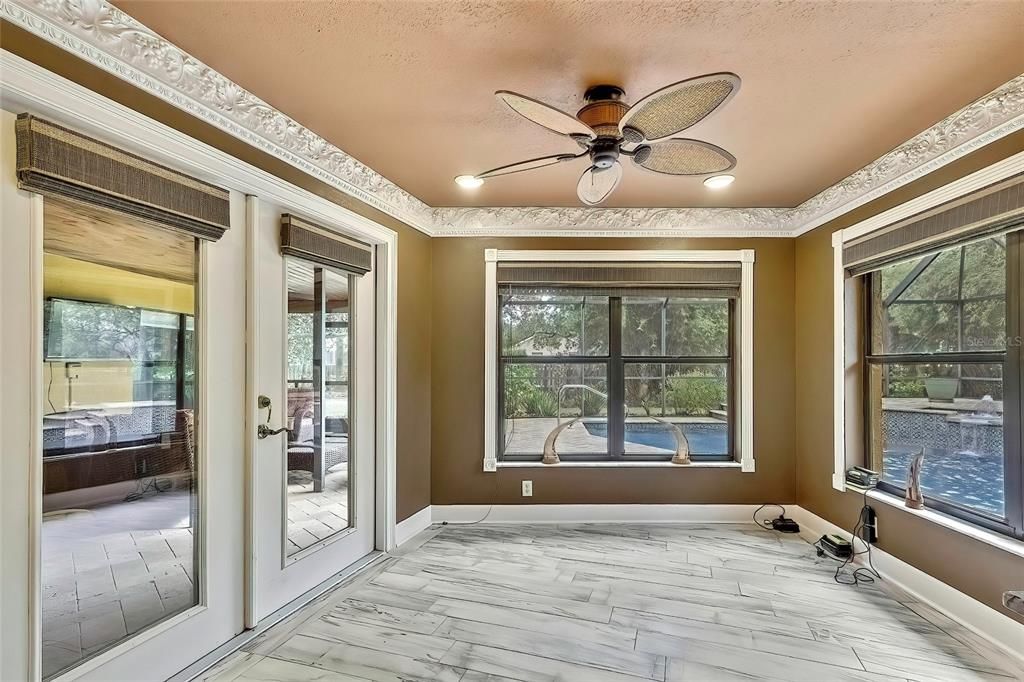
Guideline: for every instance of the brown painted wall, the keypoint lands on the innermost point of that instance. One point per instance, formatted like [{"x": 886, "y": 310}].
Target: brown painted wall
[
  {"x": 413, "y": 251},
  {"x": 458, "y": 387},
  {"x": 972, "y": 567},
  {"x": 414, "y": 375}
]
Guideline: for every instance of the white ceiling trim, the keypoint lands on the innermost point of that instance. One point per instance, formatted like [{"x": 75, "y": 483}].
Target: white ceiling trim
[{"x": 104, "y": 36}]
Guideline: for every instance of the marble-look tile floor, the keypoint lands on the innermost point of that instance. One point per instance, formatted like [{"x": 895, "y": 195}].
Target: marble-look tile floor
[{"x": 612, "y": 603}]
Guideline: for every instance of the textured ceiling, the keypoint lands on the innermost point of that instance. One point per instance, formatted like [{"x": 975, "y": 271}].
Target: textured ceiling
[{"x": 407, "y": 87}]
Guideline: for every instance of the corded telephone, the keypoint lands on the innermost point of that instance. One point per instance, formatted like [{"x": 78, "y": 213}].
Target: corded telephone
[{"x": 860, "y": 476}]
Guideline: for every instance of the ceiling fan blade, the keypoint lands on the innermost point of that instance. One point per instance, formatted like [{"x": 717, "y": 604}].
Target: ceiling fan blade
[
  {"x": 597, "y": 183},
  {"x": 529, "y": 164},
  {"x": 674, "y": 108},
  {"x": 545, "y": 115},
  {"x": 680, "y": 156}
]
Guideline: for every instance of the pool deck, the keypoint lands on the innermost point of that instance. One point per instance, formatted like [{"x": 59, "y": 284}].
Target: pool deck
[
  {"x": 956, "y": 408},
  {"x": 526, "y": 436}
]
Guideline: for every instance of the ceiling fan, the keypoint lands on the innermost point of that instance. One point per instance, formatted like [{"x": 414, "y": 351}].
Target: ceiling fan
[{"x": 607, "y": 128}]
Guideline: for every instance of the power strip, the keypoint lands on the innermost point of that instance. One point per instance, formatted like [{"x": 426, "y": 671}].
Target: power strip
[{"x": 784, "y": 525}]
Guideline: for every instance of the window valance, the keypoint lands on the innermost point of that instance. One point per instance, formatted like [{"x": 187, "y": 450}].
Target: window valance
[
  {"x": 54, "y": 160},
  {"x": 988, "y": 212},
  {"x": 622, "y": 279},
  {"x": 306, "y": 240}
]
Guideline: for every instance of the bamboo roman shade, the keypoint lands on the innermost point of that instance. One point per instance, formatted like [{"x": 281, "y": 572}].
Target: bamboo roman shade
[
  {"x": 623, "y": 279},
  {"x": 988, "y": 212},
  {"x": 53, "y": 160},
  {"x": 311, "y": 242}
]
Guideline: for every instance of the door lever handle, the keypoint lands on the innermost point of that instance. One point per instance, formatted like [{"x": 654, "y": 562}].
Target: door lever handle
[{"x": 262, "y": 431}]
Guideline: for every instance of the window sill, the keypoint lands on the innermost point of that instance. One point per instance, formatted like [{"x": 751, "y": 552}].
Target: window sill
[
  {"x": 619, "y": 465},
  {"x": 998, "y": 540}
]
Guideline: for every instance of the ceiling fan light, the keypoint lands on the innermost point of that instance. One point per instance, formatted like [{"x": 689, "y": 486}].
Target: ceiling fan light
[
  {"x": 468, "y": 181},
  {"x": 719, "y": 181}
]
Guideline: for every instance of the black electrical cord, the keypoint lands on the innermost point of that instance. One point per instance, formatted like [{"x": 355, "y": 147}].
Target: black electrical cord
[
  {"x": 490, "y": 508},
  {"x": 768, "y": 523},
  {"x": 863, "y": 574}
]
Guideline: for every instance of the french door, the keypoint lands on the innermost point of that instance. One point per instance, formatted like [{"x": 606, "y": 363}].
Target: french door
[
  {"x": 311, "y": 408},
  {"x": 121, "y": 508},
  {"x": 144, "y": 522}
]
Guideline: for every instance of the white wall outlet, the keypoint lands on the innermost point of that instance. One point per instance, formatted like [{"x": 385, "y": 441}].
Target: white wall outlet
[{"x": 527, "y": 488}]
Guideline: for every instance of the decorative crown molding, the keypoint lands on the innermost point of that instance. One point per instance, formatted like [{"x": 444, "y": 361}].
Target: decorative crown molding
[
  {"x": 538, "y": 221},
  {"x": 104, "y": 36},
  {"x": 981, "y": 122}
]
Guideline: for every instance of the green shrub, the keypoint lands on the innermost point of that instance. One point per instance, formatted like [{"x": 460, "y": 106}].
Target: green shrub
[
  {"x": 540, "y": 403},
  {"x": 696, "y": 396}
]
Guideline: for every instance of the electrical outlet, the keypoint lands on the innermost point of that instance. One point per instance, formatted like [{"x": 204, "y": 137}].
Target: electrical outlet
[{"x": 527, "y": 488}]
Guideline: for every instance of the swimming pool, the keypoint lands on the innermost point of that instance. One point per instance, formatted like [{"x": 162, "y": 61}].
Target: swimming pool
[
  {"x": 704, "y": 439},
  {"x": 964, "y": 478}
]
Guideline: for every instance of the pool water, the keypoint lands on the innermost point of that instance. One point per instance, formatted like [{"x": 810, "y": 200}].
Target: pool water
[
  {"x": 704, "y": 439},
  {"x": 962, "y": 478}
]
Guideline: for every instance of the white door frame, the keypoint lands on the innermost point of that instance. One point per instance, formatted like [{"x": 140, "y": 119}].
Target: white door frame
[
  {"x": 217, "y": 611},
  {"x": 28, "y": 87},
  {"x": 274, "y": 578}
]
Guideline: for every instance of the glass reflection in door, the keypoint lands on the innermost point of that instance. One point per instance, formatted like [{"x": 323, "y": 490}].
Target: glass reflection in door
[
  {"x": 120, "y": 505},
  {"x": 318, "y": 467}
]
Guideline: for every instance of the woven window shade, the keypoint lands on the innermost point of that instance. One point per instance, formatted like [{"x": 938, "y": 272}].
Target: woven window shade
[
  {"x": 311, "y": 242},
  {"x": 988, "y": 212},
  {"x": 695, "y": 280},
  {"x": 53, "y": 160}
]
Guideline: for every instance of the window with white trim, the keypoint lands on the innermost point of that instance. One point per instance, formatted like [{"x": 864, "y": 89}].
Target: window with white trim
[
  {"x": 936, "y": 356},
  {"x": 616, "y": 360}
]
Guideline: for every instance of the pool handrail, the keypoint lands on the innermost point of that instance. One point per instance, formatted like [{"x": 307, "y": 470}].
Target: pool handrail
[{"x": 561, "y": 392}]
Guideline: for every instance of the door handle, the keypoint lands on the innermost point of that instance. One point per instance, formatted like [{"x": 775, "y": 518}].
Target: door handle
[{"x": 264, "y": 430}]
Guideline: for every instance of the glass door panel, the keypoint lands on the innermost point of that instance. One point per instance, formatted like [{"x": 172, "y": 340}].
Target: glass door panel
[
  {"x": 318, "y": 418},
  {"x": 120, "y": 504}
]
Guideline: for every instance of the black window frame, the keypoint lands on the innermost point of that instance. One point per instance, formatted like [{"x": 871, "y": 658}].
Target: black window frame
[
  {"x": 1013, "y": 384},
  {"x": 615, "y": 363}
]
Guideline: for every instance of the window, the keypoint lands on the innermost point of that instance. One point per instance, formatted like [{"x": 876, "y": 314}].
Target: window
[
  {"x": 940, "y": 377},
  {"x": 158, "y": 343},
  {"x": 628, "y": 356}
]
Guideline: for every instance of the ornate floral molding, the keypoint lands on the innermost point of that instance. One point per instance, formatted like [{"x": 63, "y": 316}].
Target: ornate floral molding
[
  {"x": 620, "y": 222},
  {"x": 981, "y": 122},
  {"x": 103, "y": 35}
]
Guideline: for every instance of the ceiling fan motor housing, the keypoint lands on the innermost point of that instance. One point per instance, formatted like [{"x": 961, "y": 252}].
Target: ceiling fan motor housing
[
  {"x": 604, "y": 108},
  {"x": 604, "y": 152}
]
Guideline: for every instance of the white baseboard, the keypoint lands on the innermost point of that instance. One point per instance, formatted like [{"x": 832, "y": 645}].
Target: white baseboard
[
  {"x": 992, "y": 627},
  {"x": 409, "y": 527},
  {"x": 594, "y": 513}
]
